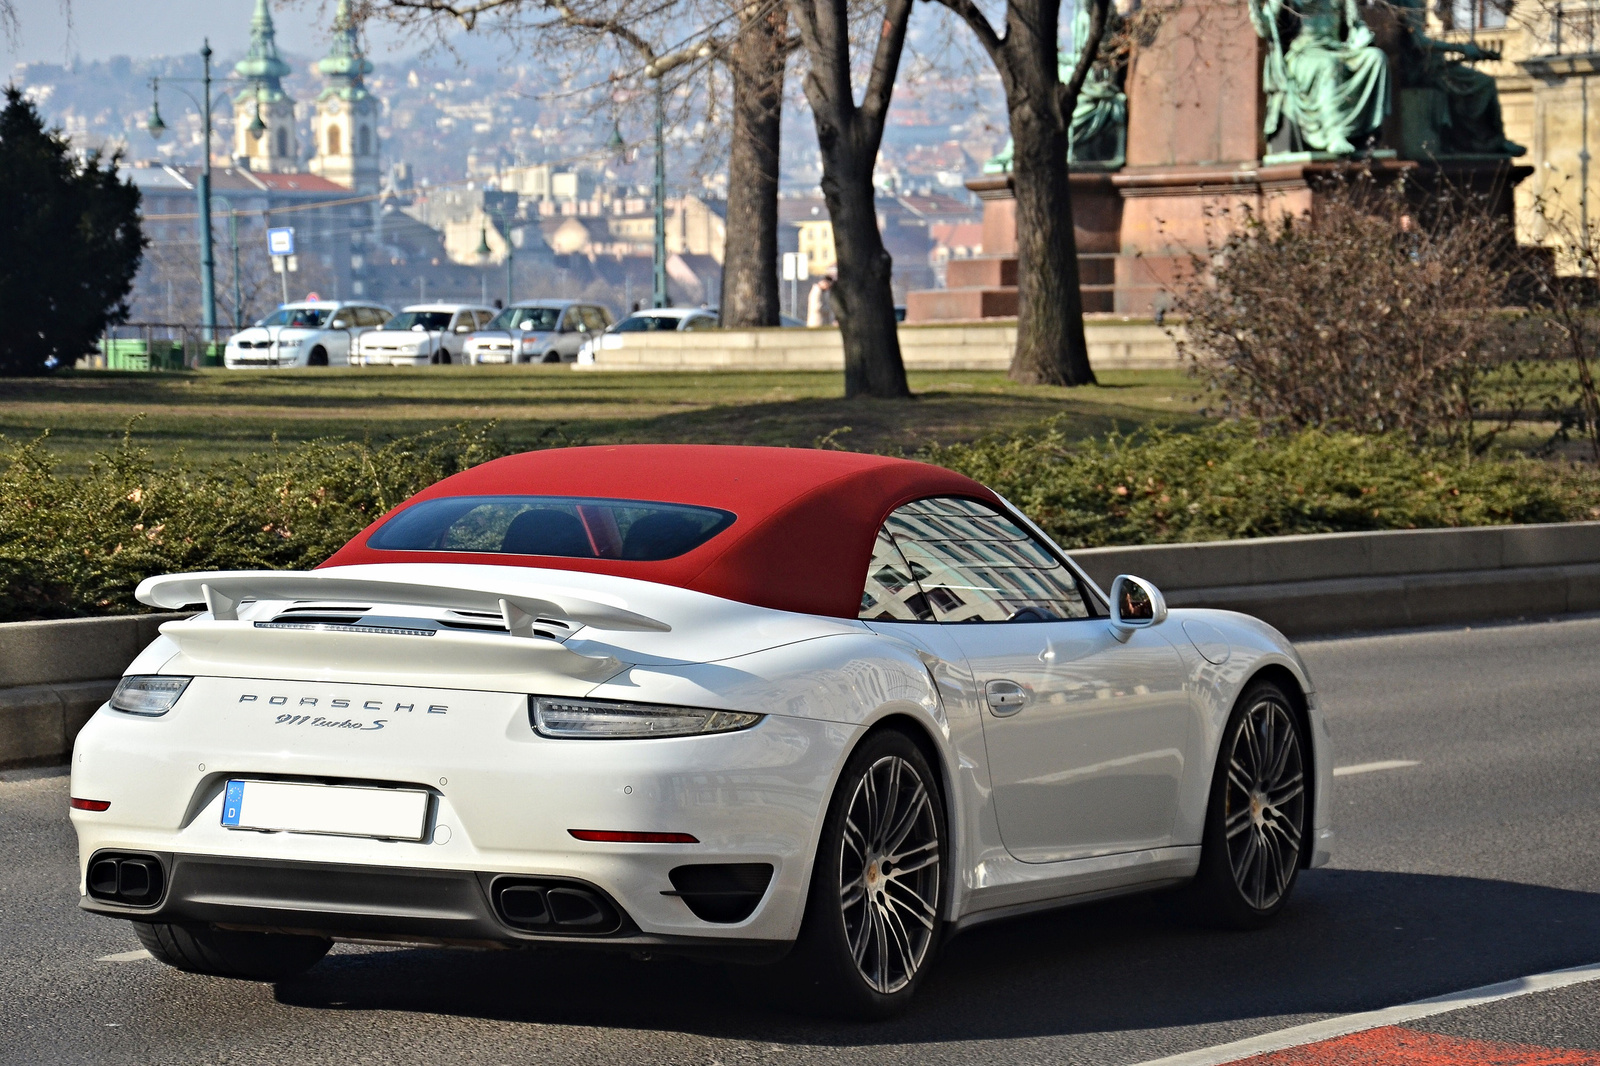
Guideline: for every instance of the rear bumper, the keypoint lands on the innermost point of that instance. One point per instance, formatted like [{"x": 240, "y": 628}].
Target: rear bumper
[{"x": 451, "y": 907}]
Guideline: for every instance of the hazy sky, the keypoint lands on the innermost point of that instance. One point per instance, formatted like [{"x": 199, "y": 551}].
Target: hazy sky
[{"x": 54, "y": 30}]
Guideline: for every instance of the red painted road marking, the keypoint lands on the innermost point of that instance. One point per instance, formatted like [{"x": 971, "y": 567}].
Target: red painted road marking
[{"x": 1394, "y": 1046}]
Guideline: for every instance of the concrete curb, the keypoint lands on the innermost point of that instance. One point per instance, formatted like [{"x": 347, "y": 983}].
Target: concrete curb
[
  {"x": 1331, "y": 583},
  {"x": 53, "y": 675}
]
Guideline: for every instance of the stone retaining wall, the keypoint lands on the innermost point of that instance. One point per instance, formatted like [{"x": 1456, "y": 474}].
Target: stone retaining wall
[
  {"x": 54, "y": 674},
  {"x": 1114, "y": 344}
]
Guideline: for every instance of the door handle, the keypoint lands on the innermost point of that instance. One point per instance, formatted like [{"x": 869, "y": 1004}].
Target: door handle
[{"x": 1005, "y": 698}]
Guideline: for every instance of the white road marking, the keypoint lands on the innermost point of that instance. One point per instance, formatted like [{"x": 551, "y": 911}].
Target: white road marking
[
  {"x": 1369, "y": 767},
  {"x": 126, "y": 956},
  {"x": 1345, "y": 1024}
]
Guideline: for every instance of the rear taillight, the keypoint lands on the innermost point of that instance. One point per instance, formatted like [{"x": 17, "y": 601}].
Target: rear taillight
[
  {"x": 612, "y": 836},
  {"x": 90, "y": 805}
]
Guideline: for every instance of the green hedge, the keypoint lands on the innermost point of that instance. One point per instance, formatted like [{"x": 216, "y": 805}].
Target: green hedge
[
  {"x": 1226, "y": 481},
  {"x": 79, "y": 545}
]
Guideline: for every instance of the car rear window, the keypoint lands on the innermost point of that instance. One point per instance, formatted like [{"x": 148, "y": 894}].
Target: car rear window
[{"x": 572, "y": 527}]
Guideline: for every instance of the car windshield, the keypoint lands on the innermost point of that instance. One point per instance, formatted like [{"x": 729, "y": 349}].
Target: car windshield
[
  {"x": 571, "y": 527},
  {"x": 647, "y": 323},
  {"x": 419, "y": 320},
  {"x": 300, "y": 317},
  {"x": 534, "y": 318}
]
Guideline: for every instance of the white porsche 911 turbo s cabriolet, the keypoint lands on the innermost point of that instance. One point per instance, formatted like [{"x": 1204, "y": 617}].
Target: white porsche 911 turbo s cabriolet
[{"x": 802, "y": 706}]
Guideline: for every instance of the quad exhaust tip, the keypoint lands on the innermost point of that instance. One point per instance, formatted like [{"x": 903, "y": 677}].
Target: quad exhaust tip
[
  {"x": 131, "y": 880},
  {"x": 542, "y": 906}
]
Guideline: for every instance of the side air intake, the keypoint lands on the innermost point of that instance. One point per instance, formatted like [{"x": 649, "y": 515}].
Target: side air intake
[{"x": 721, "y": 892}]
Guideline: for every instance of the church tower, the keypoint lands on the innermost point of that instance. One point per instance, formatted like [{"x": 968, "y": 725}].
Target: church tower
[
  {"x": 263, "y": 114},
  {"x": 346, "y": 121}
]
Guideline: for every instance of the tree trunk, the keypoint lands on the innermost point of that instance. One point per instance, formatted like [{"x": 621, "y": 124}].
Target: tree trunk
[
  {"x": 848, "y": 137},
  {"x": 862, "y": 296},
  {"x": 1051, "y": 348},
  {"x": 756, "y": 59}
]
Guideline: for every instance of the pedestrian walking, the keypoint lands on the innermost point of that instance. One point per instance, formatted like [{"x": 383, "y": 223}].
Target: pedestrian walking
[{"x": 819, "y": 308}]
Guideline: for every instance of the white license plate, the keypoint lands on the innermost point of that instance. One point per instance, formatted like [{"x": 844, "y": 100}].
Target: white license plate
[{"x": 333, "y": 810}]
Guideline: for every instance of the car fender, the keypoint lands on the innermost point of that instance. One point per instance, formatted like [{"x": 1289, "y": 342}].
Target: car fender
[
  {"x": 1246, "y": 647},
  {"x": 854, "y": 681}
]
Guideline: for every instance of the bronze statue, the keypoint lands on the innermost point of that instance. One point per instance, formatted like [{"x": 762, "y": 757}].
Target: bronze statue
[
  {"x": 1328, "y": 90},
  {"x": 1464, "y": 109}
]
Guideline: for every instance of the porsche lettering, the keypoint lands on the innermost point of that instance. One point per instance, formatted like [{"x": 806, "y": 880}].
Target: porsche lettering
[{"x": 340, "y": 704}]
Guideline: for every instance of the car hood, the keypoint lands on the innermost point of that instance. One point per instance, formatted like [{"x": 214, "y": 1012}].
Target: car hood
[
  {"x": 256, "y": 334},
  {"x": 399, "y": 336},
  {"x": 502, "y": 334}
]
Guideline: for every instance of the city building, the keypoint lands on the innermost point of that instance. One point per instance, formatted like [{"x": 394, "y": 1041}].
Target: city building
[
  {"x": 345, "y": 123},
  {"x": 263, "y": 114}
]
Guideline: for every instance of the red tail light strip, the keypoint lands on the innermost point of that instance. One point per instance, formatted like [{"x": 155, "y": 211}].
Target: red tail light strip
[
  {"x": 610, "y": 836},
  {"x": 90, "y": 805}
]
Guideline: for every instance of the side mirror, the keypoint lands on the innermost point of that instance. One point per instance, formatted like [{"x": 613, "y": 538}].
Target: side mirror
[
  {"x": 464, "y": 327},
  {"x": 1135, "y": 604},
  {"x": 341, "y": 323}
]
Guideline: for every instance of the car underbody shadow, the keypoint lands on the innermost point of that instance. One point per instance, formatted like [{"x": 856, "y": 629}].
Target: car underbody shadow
[{"x": 1350, "y": 940}]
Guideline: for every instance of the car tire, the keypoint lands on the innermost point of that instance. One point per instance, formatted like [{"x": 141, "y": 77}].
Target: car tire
[
  {"x": 227, "y": 953},
  {"x": 551, "y": 357},
  {"x": 1258, "y": 817},
  {"x": 318, "y": 357},
  {"x": 873, "y": 921},
  {"x": 444, "y": 356}
]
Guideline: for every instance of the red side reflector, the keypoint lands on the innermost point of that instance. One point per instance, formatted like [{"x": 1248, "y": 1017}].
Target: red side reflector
[
  {"x": 609, "y": 836},
  {"x": 90, "y": 805}
]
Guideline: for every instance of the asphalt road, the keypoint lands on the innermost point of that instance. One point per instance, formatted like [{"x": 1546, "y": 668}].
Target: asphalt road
[{"x": 1478, "y": 864}]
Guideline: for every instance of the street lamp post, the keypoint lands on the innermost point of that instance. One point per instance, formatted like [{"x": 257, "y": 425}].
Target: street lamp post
[
  {"x": 208, "y": 265},
  {"x": 659, "y": 256},
  {"x": 233, "y": 241}
]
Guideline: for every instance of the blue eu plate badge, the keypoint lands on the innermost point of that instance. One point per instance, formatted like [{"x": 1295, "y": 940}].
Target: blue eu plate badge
[{"x": 232, "y": 800}]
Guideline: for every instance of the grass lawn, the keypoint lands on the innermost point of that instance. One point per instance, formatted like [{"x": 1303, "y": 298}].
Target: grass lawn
[{"x": 218, "y": 413}]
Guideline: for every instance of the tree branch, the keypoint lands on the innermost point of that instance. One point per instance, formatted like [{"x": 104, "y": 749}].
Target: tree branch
[
  {"x": 980, "y": 25},
  {"x": 886, "y": 62},
  {"x": 1067, "y": 95}
]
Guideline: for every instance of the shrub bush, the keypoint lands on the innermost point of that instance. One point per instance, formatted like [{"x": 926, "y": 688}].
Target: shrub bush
[
  {"x": 1227, "y": 480},
  {"x": 81, "y": 545}
]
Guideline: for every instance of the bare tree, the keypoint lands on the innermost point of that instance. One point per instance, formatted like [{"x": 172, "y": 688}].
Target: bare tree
[
  {"x": 1051, "y": 348},
  {"x": 848, "y": 137},
  {"x": 751, "y": 38},
  {"x": 757, "y": 58}
]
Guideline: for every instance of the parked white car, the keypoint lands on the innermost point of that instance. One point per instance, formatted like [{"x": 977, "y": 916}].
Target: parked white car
[
  {"x": 308, "y": 333},
  {"x": 538, "y": 331},
  {"x": 654, "y": 320},
  {"x": 422, "y": 334}
]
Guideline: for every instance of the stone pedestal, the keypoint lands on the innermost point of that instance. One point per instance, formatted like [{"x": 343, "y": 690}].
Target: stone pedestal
[
  {"x": 1194, "y": 167},
  {"x": 986, "y": 286}
]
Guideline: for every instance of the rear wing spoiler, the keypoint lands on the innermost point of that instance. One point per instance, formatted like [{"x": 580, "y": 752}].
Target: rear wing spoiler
[{"x": 223, "y": 591}]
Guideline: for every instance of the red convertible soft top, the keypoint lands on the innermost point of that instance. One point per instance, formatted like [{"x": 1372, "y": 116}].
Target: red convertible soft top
[{"x": 805, "y": 526}]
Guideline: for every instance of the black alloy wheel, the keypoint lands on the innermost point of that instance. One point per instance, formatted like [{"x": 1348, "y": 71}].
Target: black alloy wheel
[
  {"x": 1258, "y": 818},
  {"x": 874, "y": 915}
]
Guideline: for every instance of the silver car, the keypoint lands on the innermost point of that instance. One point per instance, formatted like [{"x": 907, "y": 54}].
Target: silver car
[
  {"x": 538, "y": 331},
  {"x": 422, "y": 334}
]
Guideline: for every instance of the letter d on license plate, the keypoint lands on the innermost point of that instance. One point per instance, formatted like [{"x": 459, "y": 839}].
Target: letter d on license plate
[{"x": 330, "y": 810}]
